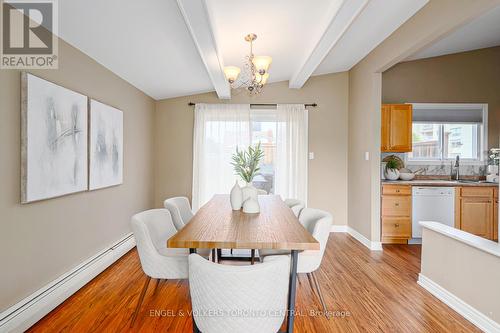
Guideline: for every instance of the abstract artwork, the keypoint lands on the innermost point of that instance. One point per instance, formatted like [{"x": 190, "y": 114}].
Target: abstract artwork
[
  {"x": 53, "y": 140},
  {"x": 106, "y": 145}
]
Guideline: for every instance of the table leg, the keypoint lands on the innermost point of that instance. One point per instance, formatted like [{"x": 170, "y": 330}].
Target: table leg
[
  {"x": 292, "y": 288},
  {"x": 195, "y": 328}
]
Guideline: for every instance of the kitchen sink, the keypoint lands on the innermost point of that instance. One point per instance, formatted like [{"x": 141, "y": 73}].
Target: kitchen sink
[{"x": 471, "y": 181}]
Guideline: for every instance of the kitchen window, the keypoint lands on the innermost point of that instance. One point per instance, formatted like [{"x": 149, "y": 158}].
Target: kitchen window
[{"x": 444, "y": 131}]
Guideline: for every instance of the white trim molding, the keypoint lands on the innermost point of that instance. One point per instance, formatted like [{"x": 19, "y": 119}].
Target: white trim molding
[
  {"x": 28, "y": 311},
  {"x": 470, "y": 313},
  {"x": 339, "y": 228},
  {"x": 373, "y": 246}
]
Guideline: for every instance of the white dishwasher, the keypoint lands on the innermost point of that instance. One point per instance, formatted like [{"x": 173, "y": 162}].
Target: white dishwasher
[{"x": 431, "y": 204}]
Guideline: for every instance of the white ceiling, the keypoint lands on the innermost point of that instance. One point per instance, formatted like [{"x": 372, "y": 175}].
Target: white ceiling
[
  {"x": 286, "y": 30},
  {"x": 377, "y": 22},
  {"x": 481, "y": 33},
  {"x": 148, "y": 43}
]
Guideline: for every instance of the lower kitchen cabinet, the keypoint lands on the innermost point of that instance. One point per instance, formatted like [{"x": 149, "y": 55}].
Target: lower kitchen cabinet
[
  {"x": 475, "y": 211},
  {"x": 477, "y": 216},
  {"x": 495, "y": 214},
  {"x": 396, "y": 214}
]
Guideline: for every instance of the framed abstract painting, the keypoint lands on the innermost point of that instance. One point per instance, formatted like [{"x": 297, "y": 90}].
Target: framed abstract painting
[
  {"x": 106, "y": 146},
  {"x": 54, "y": 136}
]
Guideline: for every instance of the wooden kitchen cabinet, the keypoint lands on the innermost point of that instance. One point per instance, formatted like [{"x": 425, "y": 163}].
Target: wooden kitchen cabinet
[
  {"x": 396, "y": 214},
  {"x": 495, "y": 214},
  {"x": 477, "y": 216},
  {"x": 476, "y": 211},
  {"x": 396, "y": 128}
]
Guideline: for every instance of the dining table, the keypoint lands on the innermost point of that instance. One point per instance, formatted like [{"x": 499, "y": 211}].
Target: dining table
[{"x": 217, "y": 226}]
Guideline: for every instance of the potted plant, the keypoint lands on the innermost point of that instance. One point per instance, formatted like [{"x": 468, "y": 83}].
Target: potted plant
[
  {"x": 246, "y": 165},
  {"x": 391, "y": 170}
]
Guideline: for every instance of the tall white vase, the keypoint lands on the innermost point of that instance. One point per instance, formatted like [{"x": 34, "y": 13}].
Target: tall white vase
[{"x": 236, "y": 196}]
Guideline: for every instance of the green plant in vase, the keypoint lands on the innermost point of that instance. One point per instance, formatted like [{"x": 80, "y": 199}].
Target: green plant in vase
[
  {"x": 246, "y": 166},
  {"x": 246, "y": 162},
  {"x": 391, "y": 169}
]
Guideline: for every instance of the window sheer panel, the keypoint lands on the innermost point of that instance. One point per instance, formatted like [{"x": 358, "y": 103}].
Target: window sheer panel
[
  {"x": 219, "y": 129},
  {"x": 291, "y": 151}
]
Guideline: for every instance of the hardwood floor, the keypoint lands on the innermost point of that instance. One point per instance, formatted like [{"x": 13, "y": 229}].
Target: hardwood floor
[{"x": 377, "y": 292}]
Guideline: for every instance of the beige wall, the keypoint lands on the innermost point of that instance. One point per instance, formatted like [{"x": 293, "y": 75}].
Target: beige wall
[
  {"x": 42, "y": 240},
  {"x": 465, "y": 271},
  {"x": 467, "y": 77},
  {"x": 327, "y": 139},
  {"x": 432, "y": 22}
]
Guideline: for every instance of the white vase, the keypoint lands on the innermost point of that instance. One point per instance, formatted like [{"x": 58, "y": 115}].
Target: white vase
[
  {"x": 391, "y": 174},
  {"x": 251, "y": 206},
  {"x": 249, "y": 192},
  {"x": 236, "y": 196}
]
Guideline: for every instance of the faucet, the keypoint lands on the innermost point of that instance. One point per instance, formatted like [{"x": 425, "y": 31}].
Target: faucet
[{"x": 457, "y": 167}]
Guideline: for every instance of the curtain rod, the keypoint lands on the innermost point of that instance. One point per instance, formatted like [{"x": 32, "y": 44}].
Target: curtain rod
[{"x": 264, "y": 104}]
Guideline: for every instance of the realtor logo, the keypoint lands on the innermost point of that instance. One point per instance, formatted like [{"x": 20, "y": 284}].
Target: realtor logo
[{"x": 29, "y": 31}]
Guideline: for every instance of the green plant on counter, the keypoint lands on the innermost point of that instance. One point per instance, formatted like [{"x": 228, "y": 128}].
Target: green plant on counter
[{"x": 391, "y": 165}]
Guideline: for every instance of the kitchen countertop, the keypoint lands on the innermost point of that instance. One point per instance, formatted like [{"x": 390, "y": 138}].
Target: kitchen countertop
[{"x": 437, "y": 182}]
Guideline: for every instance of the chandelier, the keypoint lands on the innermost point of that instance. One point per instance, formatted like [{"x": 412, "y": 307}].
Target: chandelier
[{"x": 255, "y": 73}]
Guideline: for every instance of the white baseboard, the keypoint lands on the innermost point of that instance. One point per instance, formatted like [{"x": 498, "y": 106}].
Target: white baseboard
[
  {"x": 28, "y": 311},
  {"x": 339, "y": 228},
  {"x": 470, "y": 313},
  {"x": 374, "y": 246}
]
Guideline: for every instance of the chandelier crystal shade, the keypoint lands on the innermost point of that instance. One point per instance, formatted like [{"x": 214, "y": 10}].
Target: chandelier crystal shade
[{"x": 255, "y": 73}]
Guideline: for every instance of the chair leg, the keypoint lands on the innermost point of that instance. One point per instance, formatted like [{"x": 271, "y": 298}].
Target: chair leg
[
  {"x": 320, "y": 294},
  {"x": 219, "y": 255},
  {"x": 141, "y": 299},
  {"x": 213, "y": 255},
  {"x": 231, "y": 251},
  {"x": 252, "y": 256}
]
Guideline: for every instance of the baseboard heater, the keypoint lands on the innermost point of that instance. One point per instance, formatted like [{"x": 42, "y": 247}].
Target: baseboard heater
[{"x": 28, "y": 311}]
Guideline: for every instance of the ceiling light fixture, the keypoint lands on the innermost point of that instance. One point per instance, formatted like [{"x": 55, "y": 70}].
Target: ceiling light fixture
[{"x": 255, "y": 73}]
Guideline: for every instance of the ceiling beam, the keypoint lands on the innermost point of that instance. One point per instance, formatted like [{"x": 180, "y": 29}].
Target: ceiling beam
[
  {"x": 341, "y": 21},
  {"x": 198, "y": 22}
]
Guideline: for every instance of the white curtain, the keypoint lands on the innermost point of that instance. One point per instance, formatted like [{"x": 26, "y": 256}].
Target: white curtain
[
  {"x": 218, "y": 130},
  {"x": 291, "y": 151}
]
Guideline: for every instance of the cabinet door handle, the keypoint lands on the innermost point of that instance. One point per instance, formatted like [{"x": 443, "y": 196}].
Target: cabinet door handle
[
  {"x": 396, "y": 225},
  {"x": 396, "y": 204},
  {"x": 397, "y": 191}
]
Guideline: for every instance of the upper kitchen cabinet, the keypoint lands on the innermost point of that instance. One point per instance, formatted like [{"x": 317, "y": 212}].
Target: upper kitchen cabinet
[{"x": 396, "y": 128}]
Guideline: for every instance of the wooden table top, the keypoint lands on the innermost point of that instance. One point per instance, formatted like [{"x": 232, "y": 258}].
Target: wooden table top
[{"x": 216, "y": 225}]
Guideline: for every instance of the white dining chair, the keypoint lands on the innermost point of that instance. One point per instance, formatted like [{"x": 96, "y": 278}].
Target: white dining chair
[
  {"x": 295, "y": 205},
  {"x": 152, "y": 229},
  {"x": 247, "y": 299},
  {"x": 181, "y": 212},
  {"x": 180, "y": 209},
  {"x": 319, "y": 224}
]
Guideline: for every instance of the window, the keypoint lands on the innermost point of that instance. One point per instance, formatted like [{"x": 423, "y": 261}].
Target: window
[
  {"x": 220, "y": 128},
  {"x": 445, "y": 131},
  {"x": 263, "y": 130},
  {"x": 445, "y": 141}
]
